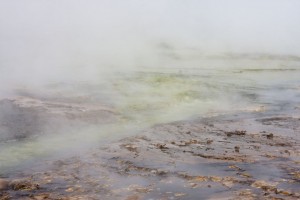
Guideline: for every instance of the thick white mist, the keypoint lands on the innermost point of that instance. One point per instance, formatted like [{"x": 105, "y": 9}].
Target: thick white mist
[
  {"x": 53, "y": 40},
  {"x": 61, "y": 61}
]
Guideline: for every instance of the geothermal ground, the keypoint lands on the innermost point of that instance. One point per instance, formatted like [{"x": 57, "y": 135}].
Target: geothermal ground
[
  {"x": 201, "y": 134},
  {"x": 246, "y": 155}
]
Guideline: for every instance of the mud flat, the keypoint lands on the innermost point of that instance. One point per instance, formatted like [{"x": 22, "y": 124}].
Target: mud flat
[
  {"x": 23, "y": 117},
  {"x": 242, "y": 156}
]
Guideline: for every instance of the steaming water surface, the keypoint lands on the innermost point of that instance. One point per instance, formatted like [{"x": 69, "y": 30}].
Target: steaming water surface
[{"x": 135, "y": 100}]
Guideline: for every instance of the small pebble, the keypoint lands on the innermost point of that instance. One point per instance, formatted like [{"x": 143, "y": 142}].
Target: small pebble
[{"x": 237, "y": 149}]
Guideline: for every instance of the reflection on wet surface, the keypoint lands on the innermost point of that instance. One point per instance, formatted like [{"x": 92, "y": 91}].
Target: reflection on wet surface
[{"x": 239, "y": 137}]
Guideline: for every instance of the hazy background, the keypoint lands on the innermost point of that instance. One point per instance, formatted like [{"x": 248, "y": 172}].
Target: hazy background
[
  {"x": 46, "y": 40},
  {"x": 61, "y": 61}
]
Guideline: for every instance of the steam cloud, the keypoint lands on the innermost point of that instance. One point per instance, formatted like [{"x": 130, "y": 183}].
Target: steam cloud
[{"x": 45, "y": 40}]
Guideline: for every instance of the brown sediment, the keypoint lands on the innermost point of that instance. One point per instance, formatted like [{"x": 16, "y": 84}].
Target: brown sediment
[
  {"x": 180, "y": 160},
  {"x": 237, "y": 132}
]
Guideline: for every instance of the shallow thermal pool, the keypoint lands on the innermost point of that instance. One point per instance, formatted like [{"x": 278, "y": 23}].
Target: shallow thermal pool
[{"x": 64, "y": 116}]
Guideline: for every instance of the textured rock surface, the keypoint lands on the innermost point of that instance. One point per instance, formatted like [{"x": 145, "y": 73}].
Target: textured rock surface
[{"x": 181, "y": 160}]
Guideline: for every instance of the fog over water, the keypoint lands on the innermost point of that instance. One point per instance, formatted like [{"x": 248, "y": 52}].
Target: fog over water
[{"x": 147, "y": 62}]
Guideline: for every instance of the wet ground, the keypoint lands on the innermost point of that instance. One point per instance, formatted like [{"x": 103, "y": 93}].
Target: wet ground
[
  {"x": 210, "y": 134},
  {"x": 242, "y": 156}
]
